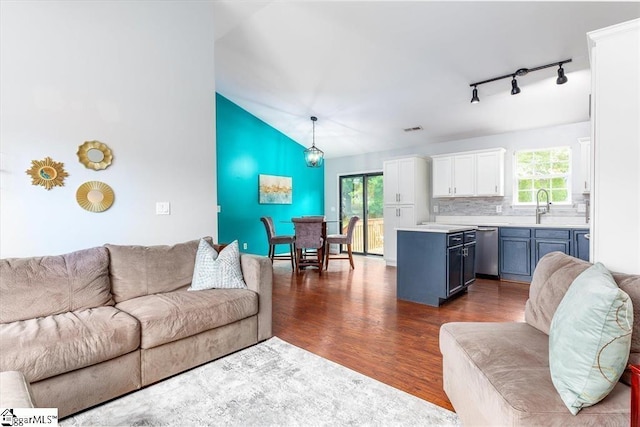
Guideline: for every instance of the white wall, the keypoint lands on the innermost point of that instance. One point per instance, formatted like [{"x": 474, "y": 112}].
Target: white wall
[
  {"x": 565, "y": 135},
  {"x": 136, "y": 75}
]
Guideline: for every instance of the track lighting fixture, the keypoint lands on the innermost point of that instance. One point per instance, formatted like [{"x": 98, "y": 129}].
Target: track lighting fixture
[
  {"x": 562, "y": 79},
  {"x": 474, "y": 98},
  {"x": 514, "y": 86}
]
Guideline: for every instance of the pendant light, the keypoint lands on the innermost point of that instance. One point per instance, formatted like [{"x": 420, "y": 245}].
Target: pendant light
[{"x": 313, "y": 156}]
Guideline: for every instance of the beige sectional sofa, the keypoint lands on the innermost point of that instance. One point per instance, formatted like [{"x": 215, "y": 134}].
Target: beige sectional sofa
[
  {"x": 498, "y": 373},
  {"x": 92, "y": 325}
]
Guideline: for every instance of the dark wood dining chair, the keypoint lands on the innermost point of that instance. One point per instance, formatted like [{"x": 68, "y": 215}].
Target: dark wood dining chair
[
  {"x": 309, "y": 243},
  {"x": 342, "y": 239},
  {"x": 274, "y": 240}
]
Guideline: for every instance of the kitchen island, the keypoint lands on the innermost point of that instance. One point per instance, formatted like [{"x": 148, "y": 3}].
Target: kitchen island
[{"x": 435, "y": 262}]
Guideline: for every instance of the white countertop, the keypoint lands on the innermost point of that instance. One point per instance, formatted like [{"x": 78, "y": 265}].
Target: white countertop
[
  {"x": 438, "y": 228},
  {"x": 514, "y": 221}
]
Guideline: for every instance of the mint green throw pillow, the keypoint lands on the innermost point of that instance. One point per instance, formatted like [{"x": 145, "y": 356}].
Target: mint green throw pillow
[{"x": 590, "y": 338}]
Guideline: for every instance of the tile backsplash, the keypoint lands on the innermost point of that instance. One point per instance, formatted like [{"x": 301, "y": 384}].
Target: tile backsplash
[{"x": 486, "y": 206}]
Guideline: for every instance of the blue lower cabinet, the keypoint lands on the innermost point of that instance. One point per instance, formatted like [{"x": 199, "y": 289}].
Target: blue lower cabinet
[
  {"x": 455, "y": 280},
  {"x": 515, "y": 254},
  {"x": 543, "y": 247},
  {"x": 522, "y": 248},
  {"x": 581, "y": 244}
]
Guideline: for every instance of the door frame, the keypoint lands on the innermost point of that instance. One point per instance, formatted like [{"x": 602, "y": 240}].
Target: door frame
[{"x": 365, "y": 213}]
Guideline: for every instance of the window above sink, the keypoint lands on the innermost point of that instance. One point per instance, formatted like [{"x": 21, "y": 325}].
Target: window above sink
[{"x": 548, "y": 169}]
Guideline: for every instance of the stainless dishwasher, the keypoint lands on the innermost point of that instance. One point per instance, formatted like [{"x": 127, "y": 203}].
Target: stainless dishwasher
[{"x": 487, "y": 251}]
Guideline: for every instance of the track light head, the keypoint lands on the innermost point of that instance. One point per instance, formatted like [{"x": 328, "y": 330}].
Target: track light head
[
  {"x": 514, "y": 86},
  {"x": 562, "y": 79},
  {"x": 474, "y": 98}
]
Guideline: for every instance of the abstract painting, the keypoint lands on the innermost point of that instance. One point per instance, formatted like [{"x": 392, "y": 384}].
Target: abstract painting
[{"x": 275, "y": 189}]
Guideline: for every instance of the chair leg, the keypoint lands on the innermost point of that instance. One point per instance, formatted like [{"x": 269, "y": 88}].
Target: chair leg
[
  {"x": 293, "y": 257},
  {"x": 298, "y": 258},
  {"x": 350, "y": 256},
  {"x": 271, "y": 251},
  {"x": 326, "y": 256},
  {"x": 320, "y": 253}
]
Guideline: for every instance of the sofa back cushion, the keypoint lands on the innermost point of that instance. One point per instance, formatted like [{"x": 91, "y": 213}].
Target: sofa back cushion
[
  {"x": 552, "y": 277},
  {"x": 48, "y": 285},
  {"x": 144, "y": 270}
]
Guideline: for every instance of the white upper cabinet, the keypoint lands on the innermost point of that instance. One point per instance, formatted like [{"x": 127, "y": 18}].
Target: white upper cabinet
[
  {"x": 442, "y": 176},
  {"x": 470, "y": 174},
  {"x": 390, "y": 190},
  {"x": 490, "y": 173},
  {"x": 464, "y": 175},
  {"x": 402, "y": 180}
]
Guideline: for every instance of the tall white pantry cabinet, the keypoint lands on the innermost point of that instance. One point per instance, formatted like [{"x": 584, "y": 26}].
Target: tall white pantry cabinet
[
  {"x": 406, "y": 199},
  {"x": 615, "y": 144}
]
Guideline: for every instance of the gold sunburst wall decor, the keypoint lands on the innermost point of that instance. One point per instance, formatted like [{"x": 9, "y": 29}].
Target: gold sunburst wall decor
[
  {"x": 95, "y": 196},
  {"x": 95, "y": 155},
  {"x": 47, "y": 173}
]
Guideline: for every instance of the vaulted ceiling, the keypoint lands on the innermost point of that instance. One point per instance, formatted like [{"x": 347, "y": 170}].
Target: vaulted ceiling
[{"x": 370, "y": 69}]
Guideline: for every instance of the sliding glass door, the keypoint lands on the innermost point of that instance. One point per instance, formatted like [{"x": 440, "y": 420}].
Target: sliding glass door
[{"x": 361, "y": 195}]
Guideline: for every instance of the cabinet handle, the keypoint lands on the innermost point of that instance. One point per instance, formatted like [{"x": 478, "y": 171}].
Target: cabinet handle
[
  {"x": 449, "y": 190},
  {"x": 585, "y": 185},
  {"x": 455, "y": 190},
  {"x": 496, "y": 189}
]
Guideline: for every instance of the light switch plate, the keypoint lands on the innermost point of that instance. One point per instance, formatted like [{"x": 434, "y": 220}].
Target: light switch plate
[
  {"x": 163, "y": 208},
  {"x": 435, "y": 208},
  {"x": 582, "y": 207},
  {"x": 499, "y": 209}
]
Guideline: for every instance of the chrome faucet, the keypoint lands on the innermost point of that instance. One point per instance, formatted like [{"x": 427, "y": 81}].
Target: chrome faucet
[{"x": 544, "y": 209}]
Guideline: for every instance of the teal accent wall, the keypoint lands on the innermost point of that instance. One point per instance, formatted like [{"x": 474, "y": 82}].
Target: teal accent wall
[{"x": 248, "y": 147}]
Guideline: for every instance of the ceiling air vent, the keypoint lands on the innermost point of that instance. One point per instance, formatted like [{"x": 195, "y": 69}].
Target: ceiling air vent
[{"x": 413, "y": 129}]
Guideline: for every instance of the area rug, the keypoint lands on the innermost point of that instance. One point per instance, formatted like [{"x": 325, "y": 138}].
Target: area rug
[{"x": 270, "y": 384}]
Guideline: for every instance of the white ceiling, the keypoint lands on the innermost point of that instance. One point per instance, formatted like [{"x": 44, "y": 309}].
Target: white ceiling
[{"x": 369, "y": 69}]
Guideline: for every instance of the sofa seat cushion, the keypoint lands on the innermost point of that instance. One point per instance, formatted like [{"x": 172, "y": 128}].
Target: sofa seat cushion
[
  {"x": 179, "y": 314},
  {"x": 505, "y": 371},
  {"x": 47, "y": 346}
]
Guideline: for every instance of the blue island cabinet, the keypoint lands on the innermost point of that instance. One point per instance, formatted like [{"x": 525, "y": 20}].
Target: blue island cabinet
[{"x": 433, "y": 267}]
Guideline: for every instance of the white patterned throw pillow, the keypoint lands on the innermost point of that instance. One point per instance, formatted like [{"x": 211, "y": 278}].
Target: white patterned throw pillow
[{"x": 215, "y": 270}]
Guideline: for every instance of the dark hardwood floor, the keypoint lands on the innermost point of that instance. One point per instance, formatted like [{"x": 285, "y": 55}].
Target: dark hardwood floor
[{"x": 353, "y": 318}]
